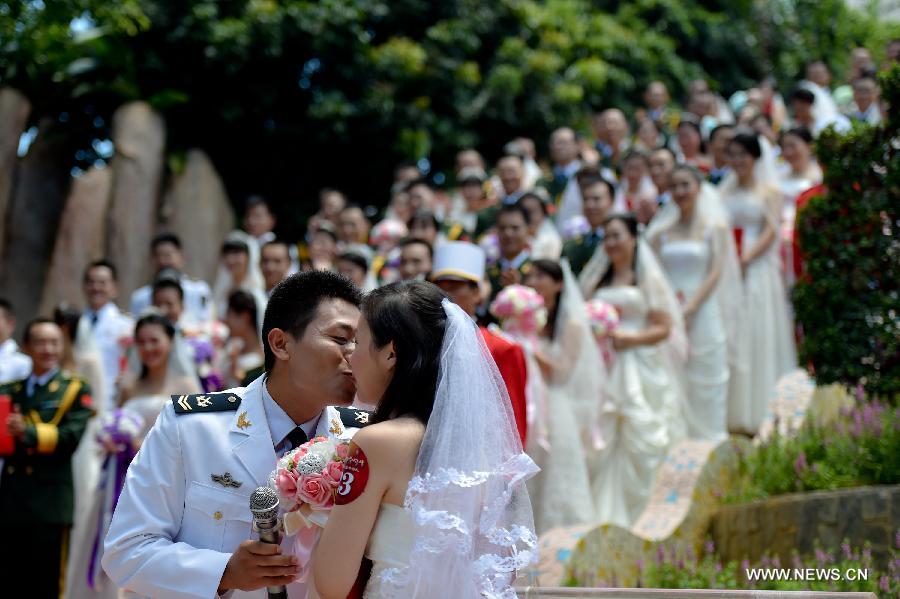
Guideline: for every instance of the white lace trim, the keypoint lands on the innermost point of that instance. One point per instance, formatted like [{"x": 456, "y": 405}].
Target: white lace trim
[{"x": 443, "y": 532}]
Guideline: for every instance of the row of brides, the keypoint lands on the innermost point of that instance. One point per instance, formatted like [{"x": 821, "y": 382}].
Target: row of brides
[{"x": 705, "y": 332}]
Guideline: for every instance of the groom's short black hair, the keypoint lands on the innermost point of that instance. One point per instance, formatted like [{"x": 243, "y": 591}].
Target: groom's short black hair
[{"x": 295, "y": 300}]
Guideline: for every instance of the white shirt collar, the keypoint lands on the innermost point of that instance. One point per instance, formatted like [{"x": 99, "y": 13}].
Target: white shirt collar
[
  {"x": 515, "y": 262},
  {"x": 280, "y": 424},
  {"x": 107, "y": 308},
  {"x": 40, "y": 381},
  {"x": 570, "y": 169}
]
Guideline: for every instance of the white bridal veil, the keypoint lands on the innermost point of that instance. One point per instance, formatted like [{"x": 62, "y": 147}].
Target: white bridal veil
[{"x": 472, "y": 514}]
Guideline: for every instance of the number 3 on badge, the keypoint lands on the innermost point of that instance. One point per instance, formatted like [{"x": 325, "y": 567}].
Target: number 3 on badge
[
  {"x": 346, "y": 481},
  {"x": 355, "y": 476}
]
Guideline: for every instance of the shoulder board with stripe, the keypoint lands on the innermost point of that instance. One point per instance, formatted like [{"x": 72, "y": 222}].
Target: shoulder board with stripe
[
  {"x": 354, "y": 418},
  {"x": 205, "y": 402}
]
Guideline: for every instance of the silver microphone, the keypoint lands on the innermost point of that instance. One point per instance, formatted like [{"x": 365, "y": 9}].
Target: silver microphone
[{"x": 264, "y": 507}]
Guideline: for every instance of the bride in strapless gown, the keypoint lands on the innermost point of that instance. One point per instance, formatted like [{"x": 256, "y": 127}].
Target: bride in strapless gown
[
  {"x": 644, "y": 413},
  {"x": 144, "y": 395},
  {"x": 443, "y": 443},
  {"x": 754, "y": 207},
  {"x": 86, "y": 578},
  {"x": 696, "y": 249}
]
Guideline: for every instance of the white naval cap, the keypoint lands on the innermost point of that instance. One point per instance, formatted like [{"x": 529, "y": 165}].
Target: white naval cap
[{"x": 458, "y": 260}]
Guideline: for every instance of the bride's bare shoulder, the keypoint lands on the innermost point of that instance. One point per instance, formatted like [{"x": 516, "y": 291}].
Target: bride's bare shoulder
[{"x": 390, "y": 437}]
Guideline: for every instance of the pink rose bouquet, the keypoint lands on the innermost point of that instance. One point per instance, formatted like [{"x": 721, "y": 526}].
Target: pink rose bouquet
[
  {"x": 306, "y": 479},
  {"x": 604, "y": 319},
  {"x": 521, "y": 312}
]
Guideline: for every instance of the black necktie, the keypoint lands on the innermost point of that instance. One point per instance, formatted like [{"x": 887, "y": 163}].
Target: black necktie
[{"x": 297, "y": 438}]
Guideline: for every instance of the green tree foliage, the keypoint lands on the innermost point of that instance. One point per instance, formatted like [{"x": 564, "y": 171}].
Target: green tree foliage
[
  {"x": 289, "y": 95},
  {"x": 848, "y": 300}
]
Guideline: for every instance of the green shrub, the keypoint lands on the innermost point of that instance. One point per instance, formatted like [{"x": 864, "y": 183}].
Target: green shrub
[
  {"x": 862, "y": 448},
  {"x": 848, "y": 298},
  {"x": 680, "y": 569}
]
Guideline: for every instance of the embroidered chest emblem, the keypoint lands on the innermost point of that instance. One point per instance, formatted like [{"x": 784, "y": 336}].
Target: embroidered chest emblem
[
  {"x": 225, "y": 480},
  {"x": 335, "y": 427}
]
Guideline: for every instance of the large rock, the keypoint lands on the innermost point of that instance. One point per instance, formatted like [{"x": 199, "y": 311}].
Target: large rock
[
  {"x": 196, "y": 209},
  {"x": 38, "y": 197},
  {"x": 14, "y": 110},
  {"x": 139, "y": 138},
  {"x": 81, "y": 238}
]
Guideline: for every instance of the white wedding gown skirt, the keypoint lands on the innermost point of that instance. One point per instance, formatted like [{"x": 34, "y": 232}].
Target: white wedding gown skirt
[
  {"x": 561, "y": 492},
  {"x": 95, "y": 516},
  {"x": 705, "y": 376},
  {"x": 767, "y": 329},
  {"x": 637, "y": 419}
]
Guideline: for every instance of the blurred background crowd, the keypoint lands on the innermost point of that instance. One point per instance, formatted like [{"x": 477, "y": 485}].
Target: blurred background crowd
[{"x": 641, "y": 260}]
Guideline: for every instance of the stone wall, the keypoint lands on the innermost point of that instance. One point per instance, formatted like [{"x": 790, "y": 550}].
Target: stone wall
[
  {"x": 52, "y": 224},
  {"x": 779, "y": 525}
]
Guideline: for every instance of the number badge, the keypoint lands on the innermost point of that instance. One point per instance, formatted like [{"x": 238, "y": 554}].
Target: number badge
[{"x": 356, "y": 475}]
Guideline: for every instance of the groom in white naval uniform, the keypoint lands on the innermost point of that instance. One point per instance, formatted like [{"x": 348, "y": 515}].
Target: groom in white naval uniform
[{"x": 182, "y": 526}]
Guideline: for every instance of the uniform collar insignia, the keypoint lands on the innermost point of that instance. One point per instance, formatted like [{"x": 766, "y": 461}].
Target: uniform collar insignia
[{"x": 242, "y": 422}]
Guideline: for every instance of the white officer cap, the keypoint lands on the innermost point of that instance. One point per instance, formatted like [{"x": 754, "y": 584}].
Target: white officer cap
[{"x": 459, "y": 260}]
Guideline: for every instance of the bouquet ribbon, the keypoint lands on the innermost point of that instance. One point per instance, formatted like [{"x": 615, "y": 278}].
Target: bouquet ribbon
[
  {"x": 112, "y": 479},
  {"x": 301, "y": 524}
]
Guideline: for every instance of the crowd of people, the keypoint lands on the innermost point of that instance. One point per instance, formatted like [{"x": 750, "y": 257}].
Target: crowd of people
[{"x": 679, "y": 217}]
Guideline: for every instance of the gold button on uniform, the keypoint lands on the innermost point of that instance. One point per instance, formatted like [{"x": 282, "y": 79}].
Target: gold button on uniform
[{"x": 217, "y": 515}]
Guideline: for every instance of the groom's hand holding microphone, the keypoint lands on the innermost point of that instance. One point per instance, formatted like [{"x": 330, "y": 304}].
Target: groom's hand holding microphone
[
  {"x": 255, "y": 565},
  {"x": 258, "y": 564}
]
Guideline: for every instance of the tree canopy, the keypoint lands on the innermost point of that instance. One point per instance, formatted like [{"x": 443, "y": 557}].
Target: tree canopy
[{"x": 290, "y": 95}]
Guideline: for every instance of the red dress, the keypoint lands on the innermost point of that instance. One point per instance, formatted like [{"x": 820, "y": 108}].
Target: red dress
[{"x": 510, "y": 361}]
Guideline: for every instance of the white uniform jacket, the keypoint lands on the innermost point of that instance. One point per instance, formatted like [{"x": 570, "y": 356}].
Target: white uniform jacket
[
  {"x": 174, "y": 527},
  {"x": 198, "y": 304}
]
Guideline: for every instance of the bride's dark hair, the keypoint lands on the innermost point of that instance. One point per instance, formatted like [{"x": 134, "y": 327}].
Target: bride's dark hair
[{"x": 410, "y": 315}]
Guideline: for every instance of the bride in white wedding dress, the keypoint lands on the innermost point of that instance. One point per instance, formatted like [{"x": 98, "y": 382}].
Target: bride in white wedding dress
[
  {"x": 438, "y": 502},
  {"x": 159, "y": 374},
  {"x": 753, "y": 204},
  {"x": 574, "y": 373},
  {"x": 693, "y": 240},
  {"x": 644, "y": 412}
]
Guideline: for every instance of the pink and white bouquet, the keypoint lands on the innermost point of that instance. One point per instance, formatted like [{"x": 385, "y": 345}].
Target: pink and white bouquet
[
  {"x": 604, "y": 319},
  {"x": 306, "y": 479},
  {"x": 387, "y": 234},
  {"x": 521, "y": 312}
]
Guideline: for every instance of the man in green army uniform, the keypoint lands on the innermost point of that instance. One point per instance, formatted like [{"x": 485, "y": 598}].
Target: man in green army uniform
[
  {"x": 597, "y": 196},
  {"x": 515, "y": 261},
  {"x": 50, "y": 410}
]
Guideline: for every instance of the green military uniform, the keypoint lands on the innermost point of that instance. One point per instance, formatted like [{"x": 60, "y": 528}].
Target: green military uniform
[
  {"x": 555, "y": 187},
  {"x": 484, "y": 220},
  {"x": 493, "y": 274},
  {"x": 579, "y": 250},
  {"x": 454, "y": 231},
  {"x": 36, "y": 492}
]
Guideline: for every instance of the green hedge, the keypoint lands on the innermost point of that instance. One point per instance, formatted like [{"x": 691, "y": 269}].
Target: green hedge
[{"x": 848, "y": 299}]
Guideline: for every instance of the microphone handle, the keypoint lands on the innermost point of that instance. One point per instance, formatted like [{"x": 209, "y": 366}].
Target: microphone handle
[{"x": 268, "y": 533}]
